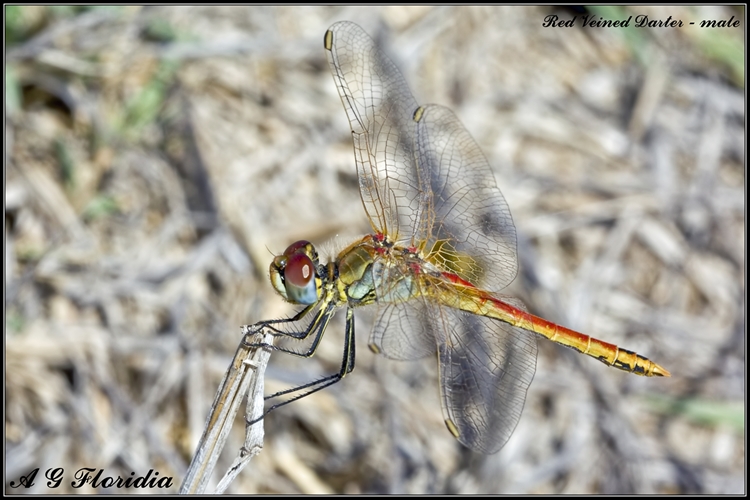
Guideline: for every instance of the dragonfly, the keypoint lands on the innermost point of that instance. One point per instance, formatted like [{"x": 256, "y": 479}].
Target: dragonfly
[{"x": 443, "y": 245}]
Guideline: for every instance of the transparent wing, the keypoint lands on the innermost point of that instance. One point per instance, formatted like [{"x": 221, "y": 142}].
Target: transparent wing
[
  {"x": 425, "y": 183},
  {"x": 486, "y": 367},
  {"x": 401, "y": 334},
  {"x": 379, "y": 106},
  {"x": 402, "y": 329},
  {"x": 472, "y": 231}
]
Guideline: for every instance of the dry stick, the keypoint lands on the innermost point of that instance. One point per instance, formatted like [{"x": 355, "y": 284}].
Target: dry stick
[
  {"x": 244, "y": 375},
  {"x": 254, "y": 410}
]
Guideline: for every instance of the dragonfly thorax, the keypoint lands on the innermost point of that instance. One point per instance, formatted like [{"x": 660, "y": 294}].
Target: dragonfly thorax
[{"x": 354, "y": 270}]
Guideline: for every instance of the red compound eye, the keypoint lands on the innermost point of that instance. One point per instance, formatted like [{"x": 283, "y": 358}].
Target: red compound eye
[
  {"x": 299, "y": 270},
  {"x": 294, "y": 274}
]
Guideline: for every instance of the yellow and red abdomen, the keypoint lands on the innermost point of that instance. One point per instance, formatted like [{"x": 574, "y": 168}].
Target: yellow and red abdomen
[{"x": 462, "y": 295}]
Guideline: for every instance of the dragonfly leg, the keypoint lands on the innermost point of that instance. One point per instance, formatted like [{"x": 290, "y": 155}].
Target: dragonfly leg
[
  {"x": 347, "y": 365},
  {"x": 270, "y": 325}
]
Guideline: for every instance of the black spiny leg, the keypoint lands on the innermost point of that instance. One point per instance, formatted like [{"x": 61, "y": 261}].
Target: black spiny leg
[
  {"x": 347, "y": 363},
  {"x": 269, "y": 324}
]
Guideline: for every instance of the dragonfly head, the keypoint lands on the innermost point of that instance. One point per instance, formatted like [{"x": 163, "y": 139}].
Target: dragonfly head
[{"x": 294, "y": 274}]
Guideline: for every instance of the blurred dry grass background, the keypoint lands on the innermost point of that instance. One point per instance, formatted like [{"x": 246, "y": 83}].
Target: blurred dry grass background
[{"x": 156, "y": 157}]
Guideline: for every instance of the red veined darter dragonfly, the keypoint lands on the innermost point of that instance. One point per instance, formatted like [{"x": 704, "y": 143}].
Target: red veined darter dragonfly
[{"x": 443, "y": 245}]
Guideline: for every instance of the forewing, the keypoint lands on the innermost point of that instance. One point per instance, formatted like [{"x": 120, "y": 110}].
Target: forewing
[
  {"x": 486, "y": 367},
  {"x": 472, "y": 230},
  {"x": 379, "y": 106}
]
